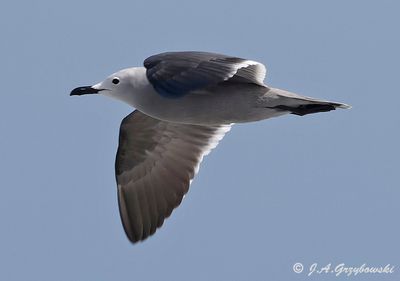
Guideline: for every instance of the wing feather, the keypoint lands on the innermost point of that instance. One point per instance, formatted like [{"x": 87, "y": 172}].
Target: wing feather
[
  {"x": 155, "y": 163},
  {"x": 175, "y": 74}
]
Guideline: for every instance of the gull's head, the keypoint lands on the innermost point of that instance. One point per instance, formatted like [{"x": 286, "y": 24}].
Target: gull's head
[{"x": 120, "y": 85}]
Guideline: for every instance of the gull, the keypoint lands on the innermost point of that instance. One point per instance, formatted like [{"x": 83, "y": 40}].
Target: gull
[{"x": 185, "y": 102}]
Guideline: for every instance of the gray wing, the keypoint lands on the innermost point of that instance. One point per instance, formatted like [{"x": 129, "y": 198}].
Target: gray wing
[
  {"x": 156, "y": 161},
  {"x": 175, "y": 74}
]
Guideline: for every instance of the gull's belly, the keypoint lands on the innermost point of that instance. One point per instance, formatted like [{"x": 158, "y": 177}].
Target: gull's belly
[{"x": 216, "y": 105}]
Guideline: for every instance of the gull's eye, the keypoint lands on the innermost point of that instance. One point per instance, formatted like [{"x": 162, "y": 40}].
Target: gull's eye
[{"x": 115, "y": 81}]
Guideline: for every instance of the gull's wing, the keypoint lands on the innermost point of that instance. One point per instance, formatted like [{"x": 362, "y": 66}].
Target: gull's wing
[
  {"x": 175, "y": 74},
  {"x": 156, "y": 161}
]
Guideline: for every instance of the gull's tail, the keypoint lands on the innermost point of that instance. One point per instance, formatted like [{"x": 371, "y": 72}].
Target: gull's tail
[{"x": 301, "y": 105}]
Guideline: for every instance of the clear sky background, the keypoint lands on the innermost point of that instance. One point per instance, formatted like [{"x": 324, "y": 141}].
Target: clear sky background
[{"x": 322, "y": 188}]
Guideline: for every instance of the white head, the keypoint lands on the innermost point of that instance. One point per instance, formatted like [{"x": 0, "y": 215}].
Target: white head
[{"x": 120, "y": 85}]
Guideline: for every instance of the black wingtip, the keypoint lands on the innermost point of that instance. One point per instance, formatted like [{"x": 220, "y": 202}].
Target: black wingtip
[{"x": 305, "y": 109}]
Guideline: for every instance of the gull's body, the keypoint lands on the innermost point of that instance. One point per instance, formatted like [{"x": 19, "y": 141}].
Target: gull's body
[
  {"x": 186, "y": 102},
  {"x": 217, "y": 104}
]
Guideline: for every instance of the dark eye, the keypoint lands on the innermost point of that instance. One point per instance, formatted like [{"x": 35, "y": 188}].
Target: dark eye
[{"x": 115, "y": 81}]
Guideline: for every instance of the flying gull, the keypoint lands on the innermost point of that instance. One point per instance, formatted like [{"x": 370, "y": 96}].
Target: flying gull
[{"x": 185, "y": 103}]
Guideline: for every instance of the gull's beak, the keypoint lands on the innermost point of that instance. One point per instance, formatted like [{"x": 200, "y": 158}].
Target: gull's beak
[{"x": 85, "y": 90}]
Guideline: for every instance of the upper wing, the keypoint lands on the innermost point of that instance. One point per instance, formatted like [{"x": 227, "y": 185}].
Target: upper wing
[
  {"x": 175, "y": 74},
  {"x": 156, "y": 161}
]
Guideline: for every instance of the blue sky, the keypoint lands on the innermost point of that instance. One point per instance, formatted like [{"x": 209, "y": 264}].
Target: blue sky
[{"x": 322, "y": 188}]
